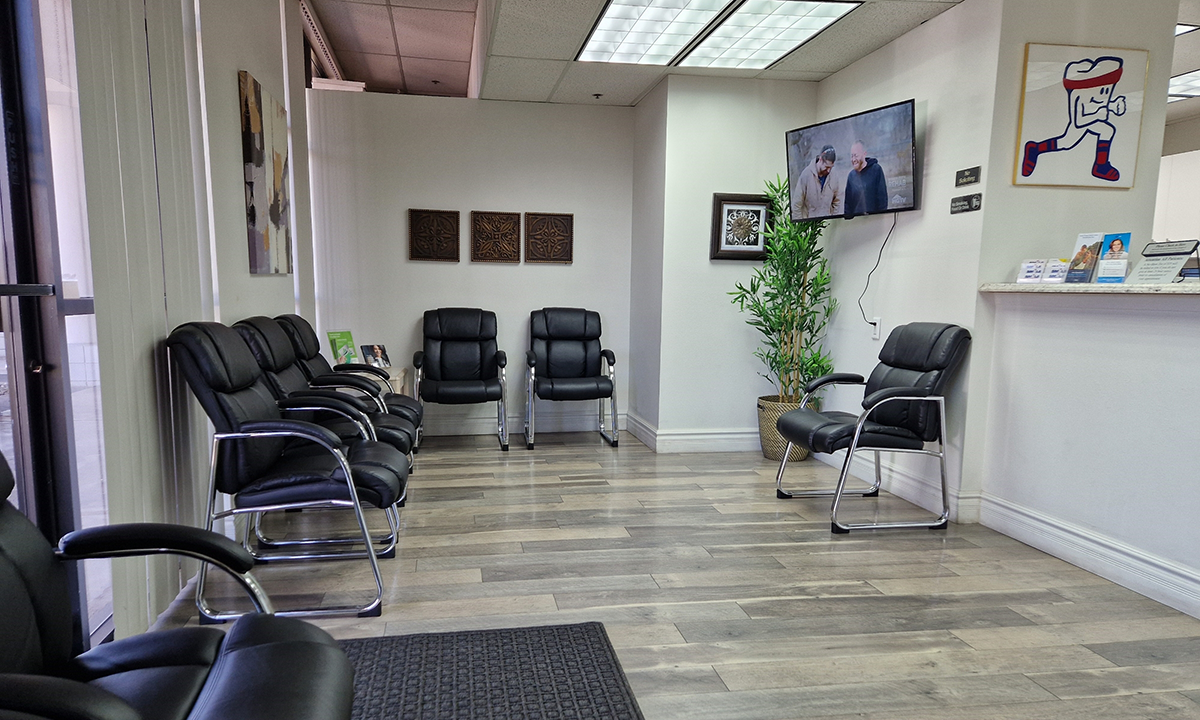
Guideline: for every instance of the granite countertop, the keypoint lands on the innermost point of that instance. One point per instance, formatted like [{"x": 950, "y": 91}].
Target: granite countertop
[{"x": 1188, "y": 288}]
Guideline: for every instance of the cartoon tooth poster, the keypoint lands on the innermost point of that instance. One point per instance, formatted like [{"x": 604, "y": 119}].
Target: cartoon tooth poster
[{"x": 1081, "y": 116}]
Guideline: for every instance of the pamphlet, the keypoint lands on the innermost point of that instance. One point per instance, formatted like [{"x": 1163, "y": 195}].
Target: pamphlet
[
  {"x": 342, "y": 345},
  {"x": 1056, "y": 270},
  {"x": 1114, "y": 258},
  {"x": 1083, "y": 261},
  {"x": 376, "y": 355},
  {"x": 1031, "y": 271}
]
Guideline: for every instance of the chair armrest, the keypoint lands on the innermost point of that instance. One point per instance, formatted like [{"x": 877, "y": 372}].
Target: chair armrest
[
  {"x": 834, "y": 379},
  {"x": 610, "y": 356},
  {"x": 295, "y": 428},
  {"x": 330, "y": 401},
  {"x": 530, "y": 358},
  {"x": 879, "y": 396},
  {"x": 154, "y": 538},
  {"x": 41, "y": 696},
  {"x": 501, "y": 358},
  {"x": 346, "y": 380},
  {"x": 418, "y": 358},
  {"x": 361, "y": 368}
]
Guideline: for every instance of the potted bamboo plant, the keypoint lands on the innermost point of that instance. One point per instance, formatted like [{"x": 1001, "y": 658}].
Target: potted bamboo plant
[{"x": 789, "y": 302}]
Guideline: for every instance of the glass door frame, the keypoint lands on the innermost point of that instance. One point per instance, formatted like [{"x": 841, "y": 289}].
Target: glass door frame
[{"x": 32, "y": 307}]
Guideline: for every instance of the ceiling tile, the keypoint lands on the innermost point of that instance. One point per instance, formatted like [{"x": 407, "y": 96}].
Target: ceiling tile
[
  {"x": 527, "y": 79},
  {"x": 356, "y": 26},
  {"x": 1183, "y": 110},
  {"x": 459, "y": 5},
  {"x": 549, "y": 29},
  {"x": 863, "y": 31},
  {"x": 379, "y": 72},
  {"x": 618, "y": 84},
  {"x": 434, "y": 34},
  {"x": 1187, "y": 53},
  {"x": 420, "y": 74}
]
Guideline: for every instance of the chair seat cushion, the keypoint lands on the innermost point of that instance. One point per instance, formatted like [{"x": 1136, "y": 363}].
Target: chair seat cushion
[
  {"x": 405, "y": 407},
  {"x": 266, "y": 667},
  {"x": 460, "y": 392},
  {"x": 309, "y": 474},
  {"x": 825, "y": 432},
  {"x": 585, "y": 388}
]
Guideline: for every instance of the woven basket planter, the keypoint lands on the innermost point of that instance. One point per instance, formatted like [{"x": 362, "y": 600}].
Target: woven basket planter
[{"x": 773, "y": 444}]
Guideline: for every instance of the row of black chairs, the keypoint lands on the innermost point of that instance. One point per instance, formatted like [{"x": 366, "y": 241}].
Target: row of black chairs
[
  {"x": 293, "y": 433},
  {"x": 460, "y": 363}
]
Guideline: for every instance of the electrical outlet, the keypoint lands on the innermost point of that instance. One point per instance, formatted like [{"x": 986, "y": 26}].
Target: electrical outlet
[{"x": 875, "y": 325}]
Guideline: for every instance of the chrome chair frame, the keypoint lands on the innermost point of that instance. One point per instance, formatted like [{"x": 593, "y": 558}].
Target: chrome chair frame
[
  {"x": 839, "y": 527},
  {"x": 371, "y": 609},
  {"x": 609, "y": 434}
]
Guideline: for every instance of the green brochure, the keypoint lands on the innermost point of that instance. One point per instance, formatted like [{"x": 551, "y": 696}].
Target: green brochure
[{"x": 342, "y": 345}]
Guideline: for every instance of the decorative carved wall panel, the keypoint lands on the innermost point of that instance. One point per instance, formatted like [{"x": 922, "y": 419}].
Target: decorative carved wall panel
[
  {"x": 433, "y": 235},
  {"x": 549, "y": 237},
  {"x": 495, "y": 237}
]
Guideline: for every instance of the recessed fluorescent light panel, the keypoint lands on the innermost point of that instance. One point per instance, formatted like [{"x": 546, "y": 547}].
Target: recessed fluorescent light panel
[
  {"x": 1181, "y": 28},
  {"x": 1184, "y": 86},
  {"x": 761, "y": 31},
  {"x": 648, "y": 32}
]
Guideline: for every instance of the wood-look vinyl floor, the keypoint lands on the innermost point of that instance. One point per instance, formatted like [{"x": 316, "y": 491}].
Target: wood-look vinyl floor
[{"x": 725, "y": 603}]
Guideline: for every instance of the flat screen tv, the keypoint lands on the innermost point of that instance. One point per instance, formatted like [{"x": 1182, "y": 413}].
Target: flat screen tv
[{"x": 857, "y": 165}]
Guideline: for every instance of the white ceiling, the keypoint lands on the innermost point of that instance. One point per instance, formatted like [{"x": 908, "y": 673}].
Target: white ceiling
[{"x": 424, "y": 47}]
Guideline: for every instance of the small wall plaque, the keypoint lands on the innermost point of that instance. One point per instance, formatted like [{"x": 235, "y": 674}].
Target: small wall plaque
[
  {"x": 970, "y": 176},
  {"x": 433, "y": 235},
  {"x": 495, "y": 237},
  {"x": 549, "y": 237},
  {"x": 966, "y": 203}
]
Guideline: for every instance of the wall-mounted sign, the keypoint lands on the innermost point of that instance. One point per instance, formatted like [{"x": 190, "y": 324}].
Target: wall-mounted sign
[
  {"x": 970, "y": 176},
  {"x": 966, "y": 203}
]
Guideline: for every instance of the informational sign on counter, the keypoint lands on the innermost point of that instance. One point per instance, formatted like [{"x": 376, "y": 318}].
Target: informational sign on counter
[{"x": 1161, "y": 262}]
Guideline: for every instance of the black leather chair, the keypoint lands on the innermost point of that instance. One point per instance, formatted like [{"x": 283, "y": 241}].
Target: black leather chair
[
  {"x": 276, "y": 356},
  {"x": 903, "y": 409},
  {"x": 319, "y": 373},
  {"x": 460, "y": 363},
  {"x": 263, "y": 668},
  {"x": 564, "y": 363},
  {"x": 267, "y": 463}
]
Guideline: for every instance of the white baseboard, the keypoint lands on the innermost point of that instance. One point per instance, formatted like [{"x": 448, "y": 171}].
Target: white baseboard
[
  {"x": 697, "y": 440},
  {"x": 922, "y": 491},
  {"x": 1153, "y": 576}
]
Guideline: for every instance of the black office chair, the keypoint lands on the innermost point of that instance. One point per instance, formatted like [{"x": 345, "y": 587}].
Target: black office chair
[
  {"x": 903, "y": 409},
  {"x": 460, "y": 363},
  {"x": 266, "y": 463},
  {"x": 320, "y": 374},
  {"x": 263, "y": 668},
  {"x": 276, "y": 356},
  {"x": 564, "y": 363}
]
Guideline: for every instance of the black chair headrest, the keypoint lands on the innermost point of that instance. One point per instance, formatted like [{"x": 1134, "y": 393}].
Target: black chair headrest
[
  {"x": 218, "y": 353},
  {"x": 7, "y": 481},
  {"x": 564, "y": 324},
  {"x": 269, "y": 344},
  {"x": 460, "y": 324},
  {"x": 304, "y": 339},
  {"x": 924, "y": 346}
]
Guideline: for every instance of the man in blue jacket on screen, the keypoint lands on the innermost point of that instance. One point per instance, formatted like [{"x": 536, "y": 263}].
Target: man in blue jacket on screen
[{"x": 866, "y": 186}]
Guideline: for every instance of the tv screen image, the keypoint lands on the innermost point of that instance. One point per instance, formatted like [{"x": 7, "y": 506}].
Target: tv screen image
[{"x": 856, "y": 165}]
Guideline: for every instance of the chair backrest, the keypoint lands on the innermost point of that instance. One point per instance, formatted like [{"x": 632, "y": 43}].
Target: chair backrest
[
  {"x": 228, "y": 382},
  {"x": 922, "y": 355},
  {"x": 306, "y": 344},
  {"x": 275, "y": 353},
  {"x": 460, "y": 344},
  {"x": 566, "y": 342},
  {"x": 35, "y": 610}
]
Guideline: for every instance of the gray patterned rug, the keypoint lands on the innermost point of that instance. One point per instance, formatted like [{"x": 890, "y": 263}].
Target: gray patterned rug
[{"x": 543, "y": 673}]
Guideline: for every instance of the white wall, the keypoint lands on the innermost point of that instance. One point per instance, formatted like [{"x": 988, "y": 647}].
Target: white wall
[
  {"x": 1176, "y": 212},
  {"x": 376, "y": 156},
  {"x": 236, "y": 35},
  {"x": 722, "y": 135},
  {"x": 927, "y": 269}
]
